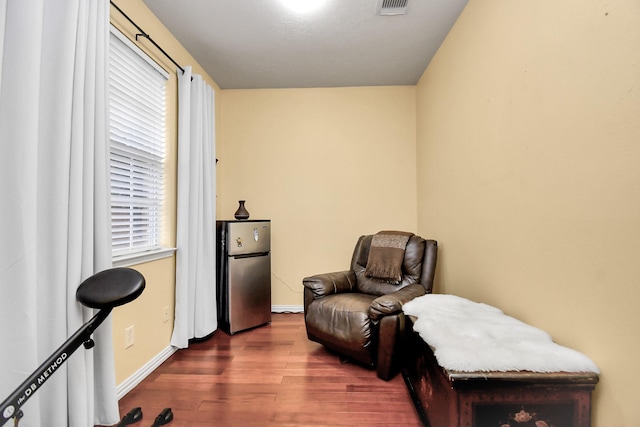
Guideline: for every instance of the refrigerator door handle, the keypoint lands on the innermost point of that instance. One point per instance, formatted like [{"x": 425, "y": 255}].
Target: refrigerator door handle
[{"x": 250, "y": 255}]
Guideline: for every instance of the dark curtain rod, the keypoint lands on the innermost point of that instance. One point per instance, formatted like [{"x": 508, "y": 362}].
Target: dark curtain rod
[{"x": 146, "y": 36}]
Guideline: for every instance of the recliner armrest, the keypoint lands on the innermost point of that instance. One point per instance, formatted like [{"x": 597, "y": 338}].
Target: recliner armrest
[
  {"x": 330, "y": 283},
  {"x": 392, "y": 303}
]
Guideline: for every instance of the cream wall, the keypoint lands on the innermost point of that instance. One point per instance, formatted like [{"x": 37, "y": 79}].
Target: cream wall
[
  {"x": 325, "y": 165},
  {"x": 528, "y": 146},
  {"x": 527, "y": 126},
  {"x": 152, "y": 333}
]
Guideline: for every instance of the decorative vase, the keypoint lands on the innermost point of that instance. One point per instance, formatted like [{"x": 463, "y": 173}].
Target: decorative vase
[{"x": 242, "y": 212}]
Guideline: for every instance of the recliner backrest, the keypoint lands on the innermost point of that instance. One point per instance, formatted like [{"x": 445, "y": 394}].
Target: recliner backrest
[{"x": 412, "y": 266}]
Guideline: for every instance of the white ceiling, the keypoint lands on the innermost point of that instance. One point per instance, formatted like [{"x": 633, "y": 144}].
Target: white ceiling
[{"x": 249, "y": 44}]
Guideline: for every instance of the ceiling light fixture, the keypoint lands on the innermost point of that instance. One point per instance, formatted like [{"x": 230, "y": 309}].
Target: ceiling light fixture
[{"x": 303, "y": 6}]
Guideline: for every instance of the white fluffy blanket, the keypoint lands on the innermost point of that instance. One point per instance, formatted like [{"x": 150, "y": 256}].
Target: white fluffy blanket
[{"x": 468, "y": 336}]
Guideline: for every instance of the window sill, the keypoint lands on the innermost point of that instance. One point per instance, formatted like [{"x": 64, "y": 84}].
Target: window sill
[{"x": 139, "y": 258}]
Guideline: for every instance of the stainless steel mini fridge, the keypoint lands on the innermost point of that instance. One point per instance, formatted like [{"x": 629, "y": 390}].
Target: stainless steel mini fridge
[{"x": 243, "y": 282}]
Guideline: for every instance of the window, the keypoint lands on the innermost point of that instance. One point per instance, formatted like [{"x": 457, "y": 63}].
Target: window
[{"x": 137, "y": 100}]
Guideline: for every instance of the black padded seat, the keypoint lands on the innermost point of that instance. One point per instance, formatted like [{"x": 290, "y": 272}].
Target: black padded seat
[{"x": 111, "y": 288}]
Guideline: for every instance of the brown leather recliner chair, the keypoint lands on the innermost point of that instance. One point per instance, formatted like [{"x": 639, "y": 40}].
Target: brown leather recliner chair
[{"x": 361, "y": 317}]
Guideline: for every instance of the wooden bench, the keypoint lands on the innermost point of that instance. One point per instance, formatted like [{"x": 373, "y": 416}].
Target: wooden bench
[{"x": 454, "y": 398}]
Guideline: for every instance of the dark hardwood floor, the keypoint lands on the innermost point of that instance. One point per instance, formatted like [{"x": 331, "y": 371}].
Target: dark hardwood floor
[{"x": 269, "y": 376}]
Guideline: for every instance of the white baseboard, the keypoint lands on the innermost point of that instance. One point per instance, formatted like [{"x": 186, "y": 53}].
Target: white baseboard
[
  {"x": 287, "y": 309},
  {"x": 127, "y": 385}
]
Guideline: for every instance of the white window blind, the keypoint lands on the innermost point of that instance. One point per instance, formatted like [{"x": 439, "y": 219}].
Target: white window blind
[{"x": 137, "y": 99}]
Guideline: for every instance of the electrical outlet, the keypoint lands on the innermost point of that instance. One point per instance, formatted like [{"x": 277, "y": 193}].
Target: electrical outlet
[
  {"x": 129, "y": 336},
  {"x": 165, "y": 314}
]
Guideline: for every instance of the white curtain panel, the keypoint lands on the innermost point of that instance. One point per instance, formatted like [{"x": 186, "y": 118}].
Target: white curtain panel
[
  {"x": 195, "y": 315},
  {"x": 54, "y": 217}
]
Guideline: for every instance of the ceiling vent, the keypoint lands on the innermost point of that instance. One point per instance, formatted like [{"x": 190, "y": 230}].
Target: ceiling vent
[{"x": 392, "y": 7}]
